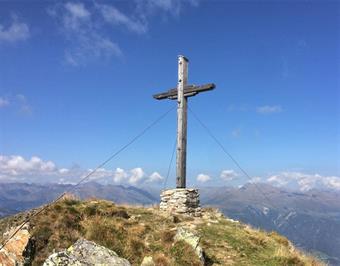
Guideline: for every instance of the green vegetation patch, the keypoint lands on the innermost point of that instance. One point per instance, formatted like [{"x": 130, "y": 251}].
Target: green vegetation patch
[{"x": 228, "y": 242}]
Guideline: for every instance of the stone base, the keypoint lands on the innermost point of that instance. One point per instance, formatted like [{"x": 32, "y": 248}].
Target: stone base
[{"x": 183, "y": 201}]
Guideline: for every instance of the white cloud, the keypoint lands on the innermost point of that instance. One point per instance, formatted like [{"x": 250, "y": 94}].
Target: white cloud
[
  {"x": 120, "y": 175},
  {"x": 332, "y": 182},
  {"x": 155, "y": 177},
  {"x": 90, "y": 47},
  {"x": 173, "y": 7},
  {"x": 4, "y": 102},
  {"x": 72, "y": 16},
  {"x": 16, "y": 31},
  {"x": 304, "y": 181},
  {"x": 100, "y": 173},
  {"x": 268, "y": 109},
  {"x": 113, "y": 16},
  {"x": 75, "y": 16},
  {"x": 77, "y": 10},
  {"x": 64, "y": 171},
  {"x": 203, "y": 178},
  {"x": 136, "y": 175},
  {"x": 85, "y": 25},
  {"x": 86, "y": 41},
  {"x": 18, "y": 168},
  {"x": 256, "y": 179},
  {"x": 19, "y": 102},
  {"x": 137, "y": 19},
  {"x": 228, "y": 175}
]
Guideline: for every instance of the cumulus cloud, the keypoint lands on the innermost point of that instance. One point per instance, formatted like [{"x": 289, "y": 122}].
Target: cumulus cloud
[
  {"x": 119, "y": 175},
  {"x": 269, "y": 109},
  {"x": 256, "y": 179},
  {"x": 203, "y": 178},
  {"x": 133, "y": 176},
  {"x": 304, "y": 181},
  {"x": 16, "y": 31},
  {"x": 136, "y": 175},
  {"x": 333, "y": 182},
  {"x": 100, "y": 173},
  {"x": 15, "y": 168},
  {"x": 3, "y": 102},
  {"x": 228, "y": 175},
  {"x": 155, "y": 177},
  {"x": 18, "y": 168},
  {"x": 64, "y": 171}
]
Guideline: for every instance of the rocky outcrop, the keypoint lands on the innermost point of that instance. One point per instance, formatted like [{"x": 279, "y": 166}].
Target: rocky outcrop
[
  {"x": 19, "y": 250},
  {"x": 85, "y": 253},
  {"x": 181, "y": 201},
  {"x": 192, "y": 239}
]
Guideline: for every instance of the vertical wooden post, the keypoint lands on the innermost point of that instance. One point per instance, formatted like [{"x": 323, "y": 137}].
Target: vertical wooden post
[{"x": 181, "y": 123}]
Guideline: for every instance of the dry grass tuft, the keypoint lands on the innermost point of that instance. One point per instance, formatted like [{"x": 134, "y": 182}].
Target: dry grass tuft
[
  {"x": 161, "y": 260},
  {"x": 279, "y": 238},
  {"x": 183, "y": 254},
  {"x": 167, "y": 236}
]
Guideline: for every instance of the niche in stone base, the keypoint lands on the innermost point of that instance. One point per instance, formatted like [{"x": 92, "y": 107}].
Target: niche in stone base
[{"x": 183, "y": 201}]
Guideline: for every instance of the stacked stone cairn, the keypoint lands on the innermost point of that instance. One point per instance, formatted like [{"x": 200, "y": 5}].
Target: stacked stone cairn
[{"x": 184, "y": 201}]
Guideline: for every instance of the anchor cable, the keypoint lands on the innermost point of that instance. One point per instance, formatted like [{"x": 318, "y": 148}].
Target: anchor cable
[
  {"x": 170, "y": 163},
  {"x": 40, "y": 210},
  {"x": 229, "y": 155},
  {"x": 269, "y": 202}
]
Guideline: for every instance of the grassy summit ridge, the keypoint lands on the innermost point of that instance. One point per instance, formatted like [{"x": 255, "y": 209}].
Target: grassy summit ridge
[{"x": 135, "y": 232}]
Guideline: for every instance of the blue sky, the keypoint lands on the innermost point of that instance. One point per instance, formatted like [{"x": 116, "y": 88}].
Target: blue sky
[{"x": 76, "y": 80}]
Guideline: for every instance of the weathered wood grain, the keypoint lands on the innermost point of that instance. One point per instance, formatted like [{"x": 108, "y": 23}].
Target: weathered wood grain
[
  {"x": 189, "y": 90},
  {"x": 181, "y": 93}
]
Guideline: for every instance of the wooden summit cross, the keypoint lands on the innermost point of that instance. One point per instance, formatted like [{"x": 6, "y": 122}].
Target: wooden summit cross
[{"x": 181, "y": 93}]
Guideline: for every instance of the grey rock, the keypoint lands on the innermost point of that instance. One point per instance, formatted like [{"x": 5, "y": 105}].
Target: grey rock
[
  {"x": 192, "y": 239},
  {"x": 63, "y": 258},
  {"x": 86, "y": 253}
]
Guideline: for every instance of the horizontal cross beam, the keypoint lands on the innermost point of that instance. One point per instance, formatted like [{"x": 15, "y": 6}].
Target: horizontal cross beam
[{"x": 189, "y": 90}]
